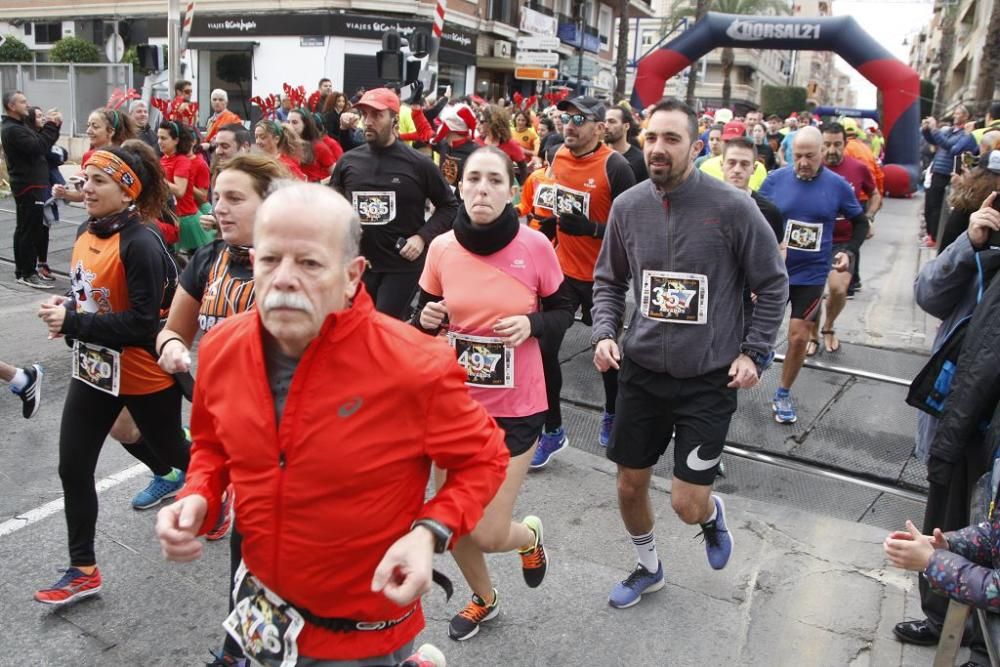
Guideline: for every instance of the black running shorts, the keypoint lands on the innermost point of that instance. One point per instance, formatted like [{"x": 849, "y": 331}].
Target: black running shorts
[
  {"x": 521, "y": 433},
  {"x": 805, "y": 300},
  {"x": 652, "y": 406}
]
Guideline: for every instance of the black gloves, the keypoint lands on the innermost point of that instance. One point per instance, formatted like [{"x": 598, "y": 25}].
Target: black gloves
[
  {"x": 575, "y": 224},
  {"x": 547, "y": 226}
]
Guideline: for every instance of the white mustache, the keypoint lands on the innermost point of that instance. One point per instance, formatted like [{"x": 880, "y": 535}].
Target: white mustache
[{"x": 291, "y": 300}]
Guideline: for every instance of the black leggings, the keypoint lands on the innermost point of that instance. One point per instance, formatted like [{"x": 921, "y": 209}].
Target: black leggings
[
  {"x": 232, "y": 647},
  {"x": 88, "y": 415},
  {"x": 392, "y": 292},
  {"x": 582, "y": 294}
]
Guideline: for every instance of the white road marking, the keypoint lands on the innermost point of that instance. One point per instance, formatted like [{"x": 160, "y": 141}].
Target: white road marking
[{"x": 52, "y": 507}]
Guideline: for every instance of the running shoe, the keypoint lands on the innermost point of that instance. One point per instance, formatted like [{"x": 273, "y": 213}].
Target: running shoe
[
  {"x": 34, "y": 281},
  {"x": 534, "y": 561},
  {"x": 718, "y": 541},
  {"x": 466, "y": 623},
  {"x": 629, "y": 591},
  {"x": 784, "y": 409},
  {"x": 928, "y": 242},
  {"x": 158, "y": 490},
  {"x": 549, "y": 444},
  {"x": 607, "y": 421},
  {"x": 427, "y": 655},
  {"x": 45, "y": 273},
  {"x": 74, "y": 585},
  {"x": 225, "y": 520},
  {"x": 221, "y": 659},
  {"x": 31, "y": 395}
]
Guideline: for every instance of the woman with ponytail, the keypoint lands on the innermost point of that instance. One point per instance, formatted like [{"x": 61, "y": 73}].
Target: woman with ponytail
[
  {"x": 105, "y": 127},
  {"x": 317, "y": 161},
  {"x": 175, "y": 141},
  {"x": 280, "y": 141},
  {"x": 121, "y": 276}
]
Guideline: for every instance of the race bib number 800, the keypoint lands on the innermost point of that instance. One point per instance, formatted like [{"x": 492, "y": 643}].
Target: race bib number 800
[
  {"x": 97, "y": 366},
  {"x": 680, "y": 298},
  {"x": 375, "y": 208},
  {"x": 487, "y": 361}
]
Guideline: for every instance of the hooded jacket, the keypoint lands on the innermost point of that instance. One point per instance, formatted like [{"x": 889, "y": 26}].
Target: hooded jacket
[{"x": 26, "y": 152}]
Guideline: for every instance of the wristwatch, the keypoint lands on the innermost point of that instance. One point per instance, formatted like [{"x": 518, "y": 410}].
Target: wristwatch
[
  {"x": 442, "y": 534},
  {"x": 597, "y": 340},
  {"x": 761, "y": 361}
]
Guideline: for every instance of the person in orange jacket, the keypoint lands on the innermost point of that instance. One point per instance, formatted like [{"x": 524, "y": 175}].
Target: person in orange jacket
[{"x": 326, "y": 416}]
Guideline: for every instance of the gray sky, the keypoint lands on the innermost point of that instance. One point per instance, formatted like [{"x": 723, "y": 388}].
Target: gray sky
[{"x": 889, "y": 23}]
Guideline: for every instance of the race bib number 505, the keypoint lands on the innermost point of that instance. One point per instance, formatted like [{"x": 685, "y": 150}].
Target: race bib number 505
[
  {"x": 487, "y": 361},
  {"x": 680, "y": 298},
  {"x": 375, "y": 208}
]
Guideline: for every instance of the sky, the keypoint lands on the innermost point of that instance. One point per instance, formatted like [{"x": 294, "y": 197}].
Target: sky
[{"x": 889, "y": 22}]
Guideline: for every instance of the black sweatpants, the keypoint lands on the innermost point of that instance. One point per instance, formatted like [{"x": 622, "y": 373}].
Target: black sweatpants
[
  {"x": 28, "y": 233},
  {"x": 582, "y": 294},
  {"x": 392, "y": 292},
  {"x": 88, "y": 415}
]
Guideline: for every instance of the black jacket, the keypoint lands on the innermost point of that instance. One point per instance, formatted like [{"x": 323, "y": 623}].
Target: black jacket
[
  {"x": 26, "y": 152},
  {"x": 976, "y": 387}
]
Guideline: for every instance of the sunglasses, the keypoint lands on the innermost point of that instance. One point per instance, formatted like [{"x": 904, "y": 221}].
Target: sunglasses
[
  {"x": 187, "y": 91},
  {"x": 577, "y": 119}
]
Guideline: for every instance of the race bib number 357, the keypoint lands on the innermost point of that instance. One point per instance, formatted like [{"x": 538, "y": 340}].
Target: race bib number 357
[
  {"x": 680, "y": 298},
  {"x": 97, "y": 366},
  {"x": 375, "y": 208},
  {"x": 572, "y": 201},
  {"x": 487, "y": 361}
]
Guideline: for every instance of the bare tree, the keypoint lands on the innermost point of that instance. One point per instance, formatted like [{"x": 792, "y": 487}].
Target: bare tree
[{"x": 621, "y": 63}]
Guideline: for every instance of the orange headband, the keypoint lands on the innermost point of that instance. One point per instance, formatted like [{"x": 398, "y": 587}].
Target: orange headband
[{"x": 117, "y": 169}]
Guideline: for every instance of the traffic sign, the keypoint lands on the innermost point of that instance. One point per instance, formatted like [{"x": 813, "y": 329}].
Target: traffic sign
[
  {"x": 538, "y": 42},
  {"x": 543, "y": 58},
  {"x": 536, "y": 73}
]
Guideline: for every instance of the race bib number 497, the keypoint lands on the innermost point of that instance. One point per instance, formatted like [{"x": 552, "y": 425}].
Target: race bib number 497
[
  {"x": 375, "y": 208},
  {"x": 680, "y": 298},
  {"x": 487, "y": 361},
  {"x": 805, "y": 236}
]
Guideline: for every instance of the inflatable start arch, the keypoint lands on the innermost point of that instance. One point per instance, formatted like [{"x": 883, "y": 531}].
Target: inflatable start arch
[{"x": 900, "y": 85}]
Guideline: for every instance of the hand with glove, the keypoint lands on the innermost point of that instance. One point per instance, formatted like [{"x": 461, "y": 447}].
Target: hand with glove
[
  {"x": 575, "y": 224},
  {"x": 547, "y": 226}
]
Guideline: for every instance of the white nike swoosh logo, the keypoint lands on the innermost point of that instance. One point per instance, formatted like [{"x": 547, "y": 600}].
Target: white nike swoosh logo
[{"x": 698, "y": 464}]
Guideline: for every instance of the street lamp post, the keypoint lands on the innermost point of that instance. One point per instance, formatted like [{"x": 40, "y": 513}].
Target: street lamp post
[{"x": 581, "y": 6}]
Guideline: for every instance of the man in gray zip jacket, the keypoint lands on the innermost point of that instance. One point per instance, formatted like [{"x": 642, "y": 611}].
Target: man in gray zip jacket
[{"x": 690, "y": 244}]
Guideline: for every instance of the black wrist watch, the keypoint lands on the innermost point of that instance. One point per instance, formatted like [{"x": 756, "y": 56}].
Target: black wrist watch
[
  {"x": 597, "y": 340},
  {"x": 761, "y": 361},
  {"x": 442, "y": 534}
]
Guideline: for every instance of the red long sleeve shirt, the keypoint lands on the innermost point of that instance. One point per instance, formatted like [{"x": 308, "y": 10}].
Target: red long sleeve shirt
[{"x": 320, "y": 498}]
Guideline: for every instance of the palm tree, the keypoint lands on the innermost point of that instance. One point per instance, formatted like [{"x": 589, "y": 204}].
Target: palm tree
[
  {"x": 988, "y": 85},
  {"x": 945, "y": 52},
  {"x": 728, "y": 58},
  {"x": 700, "y": 9},
  {"x": 621, "y": 63}
]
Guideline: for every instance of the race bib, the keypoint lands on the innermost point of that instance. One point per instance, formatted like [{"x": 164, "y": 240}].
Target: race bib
[
  {"x": 97, "y": 366},
  {"x": 680, "y": 298},
  {"x": 262, "y": 623},
  {"x": 487, "y": 361},
  {"x": 572, "y": 201},
  {"x": 805, "y": 236},
  {"x": 375, "y": 208},
  {"x": 545, "y": 197}
]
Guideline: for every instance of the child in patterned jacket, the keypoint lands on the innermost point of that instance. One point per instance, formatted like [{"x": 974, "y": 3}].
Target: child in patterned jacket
[{"x": 960, "y": 564}]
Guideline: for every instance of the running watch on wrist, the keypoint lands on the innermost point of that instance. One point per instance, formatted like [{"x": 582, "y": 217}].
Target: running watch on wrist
[{"x": 442, "y": 534}]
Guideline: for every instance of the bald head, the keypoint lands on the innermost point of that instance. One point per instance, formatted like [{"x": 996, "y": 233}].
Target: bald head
[
  {"x": 807, "y": 135},
  {"x": 322, "y": 206},
  {"x": 989, "y": 142},
  {"x": 807, "y": 155}
]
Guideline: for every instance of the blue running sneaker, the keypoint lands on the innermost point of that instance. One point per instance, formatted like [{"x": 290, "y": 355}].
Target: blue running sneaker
[
  {"x": 718, "y": 541},
  {"x": 628, "y": 592},
  {"x": 158, "y": 490},
  {"x": 549, "y": 444},
  {"x": 607, "y": 421},
  {"x": 784, "y": 409}
]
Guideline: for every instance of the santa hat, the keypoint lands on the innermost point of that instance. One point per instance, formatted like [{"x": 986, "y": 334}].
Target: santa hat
[{"x": 457, "y": 118}]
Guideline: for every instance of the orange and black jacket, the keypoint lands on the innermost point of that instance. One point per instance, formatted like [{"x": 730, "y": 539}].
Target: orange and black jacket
[
  {"x": 119, "y": 286},
  {"x": 221, "y": 284}
]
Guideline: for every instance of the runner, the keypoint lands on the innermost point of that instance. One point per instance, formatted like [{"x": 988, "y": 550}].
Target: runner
[
  {"x": 216, "y": 284},
  {"x": 317, "y": 160},
  {"x": 589, "y": 174},
  {"x": 307, "y": 358},
  {"x": 862, "y": 180},
  {"x": 175, "y": 141},
  {"x": 483, "y": 283},
  {"x": 120, "y": 271},
  {"x": 688, "y": 245},
  {"x": 713, "y": 147},
  {"x": 279, "y": 141},
  {"x": 713, "y": 166},
  {"x": 524, "y": 133},
  {"x": 538, "y": 197},
  {"x": 619, "y": 133},
  {"x": 455, "y": 141},
  {"x": 105, "y": 127},
  {"x": 388, "y": 184},
  {"x": 738, "y": 158},
  {"x": 26, "y": 384},
  {"x": 811, "y": 198}
]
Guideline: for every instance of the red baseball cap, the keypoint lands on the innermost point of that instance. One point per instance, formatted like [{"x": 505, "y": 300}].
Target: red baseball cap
[
  {"x": 733, "y": 130},
  {"x": 379, "y": 99}
]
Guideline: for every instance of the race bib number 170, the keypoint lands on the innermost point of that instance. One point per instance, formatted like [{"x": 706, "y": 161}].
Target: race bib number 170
[
  {"x": 375, "y": 208},
  {"x": 487, "y": 361},
  {"x": 264, "y": 625},
  {"x": 97, "y": 366}
]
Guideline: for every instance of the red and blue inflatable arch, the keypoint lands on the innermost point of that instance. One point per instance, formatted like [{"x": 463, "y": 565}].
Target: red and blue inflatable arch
[{"x": 900, "y": 85}]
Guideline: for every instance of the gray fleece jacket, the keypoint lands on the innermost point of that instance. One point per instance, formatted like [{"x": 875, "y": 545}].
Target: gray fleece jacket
[{"x": 704, "y": 227}]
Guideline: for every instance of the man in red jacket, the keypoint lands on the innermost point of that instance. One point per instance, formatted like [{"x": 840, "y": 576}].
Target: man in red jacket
[{"x": 326, "y": 416}]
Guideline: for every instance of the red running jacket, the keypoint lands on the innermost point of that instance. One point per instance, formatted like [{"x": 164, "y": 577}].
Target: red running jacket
[{"x": 319, "y": 500}]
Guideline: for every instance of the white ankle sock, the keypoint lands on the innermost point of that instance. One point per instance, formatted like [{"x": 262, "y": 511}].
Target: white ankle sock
[
  {"x": 20, "y": 380},
  {"x": 715, "y": 511},
  {"x": 645, "y": 551}
]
